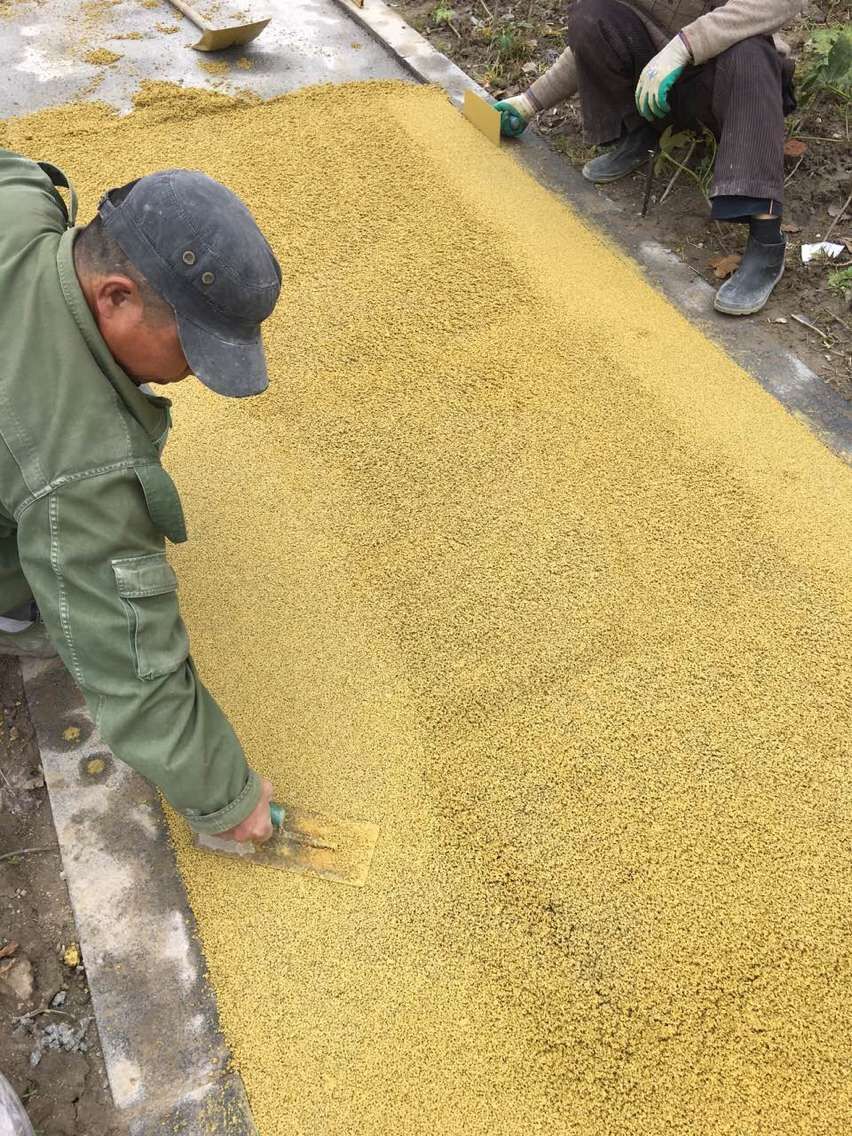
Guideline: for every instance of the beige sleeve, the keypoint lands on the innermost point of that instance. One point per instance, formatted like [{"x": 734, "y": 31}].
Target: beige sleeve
[
  {"x": 556, "y": 84},
  {"x": 710, "y": 35}
]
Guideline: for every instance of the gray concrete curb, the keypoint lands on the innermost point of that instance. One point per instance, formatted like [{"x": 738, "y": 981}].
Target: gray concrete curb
[
  {"x": 783, "y": 374},
  {"x": 165, "y": 1057}
]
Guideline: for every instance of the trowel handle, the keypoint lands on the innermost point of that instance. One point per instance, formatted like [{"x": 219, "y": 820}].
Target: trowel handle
[
  {"x": 191, "y": 14},
  {"x": 276, "y": 813}
]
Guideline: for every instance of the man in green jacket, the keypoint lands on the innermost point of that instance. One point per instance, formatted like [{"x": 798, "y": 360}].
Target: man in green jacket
[
  {"x": 172, "y": 277},
  {"x": 640, "y": 66}
]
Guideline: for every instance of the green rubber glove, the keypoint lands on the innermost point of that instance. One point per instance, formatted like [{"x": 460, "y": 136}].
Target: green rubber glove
[
  {"x": 515, "y": 115},
  {"x": 658, "y": 77}
]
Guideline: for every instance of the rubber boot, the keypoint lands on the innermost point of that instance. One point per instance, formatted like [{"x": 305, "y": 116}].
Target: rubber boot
[
  {"x": 747, "y": 291},
  {"x": 31, "y": 642},
  {"x": 627, "y": 155}
]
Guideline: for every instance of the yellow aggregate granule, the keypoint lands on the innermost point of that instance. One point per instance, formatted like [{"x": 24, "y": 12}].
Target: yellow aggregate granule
[
  {"x": 215, "y": 66},
  {"x": 101, "y": 56},
  {"x": 513, "y": 561}
]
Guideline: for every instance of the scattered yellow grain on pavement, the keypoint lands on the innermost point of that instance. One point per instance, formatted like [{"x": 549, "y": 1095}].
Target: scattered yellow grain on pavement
[
  {"x": 215, "y": 66},
  {"x": 514, "y": 562},
  {"x": 101, "y": 57}
]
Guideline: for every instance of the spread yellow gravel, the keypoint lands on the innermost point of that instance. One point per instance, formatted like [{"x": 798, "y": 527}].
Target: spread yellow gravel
[{"x": 515, "y": 563}]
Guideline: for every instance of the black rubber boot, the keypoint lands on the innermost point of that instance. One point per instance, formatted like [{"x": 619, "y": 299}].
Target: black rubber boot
[
  {"x": 747, "y": 291},
  {"x": 627, "y": 155}
]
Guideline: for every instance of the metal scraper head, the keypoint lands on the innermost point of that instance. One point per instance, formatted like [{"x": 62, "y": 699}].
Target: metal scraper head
[
  {"x": 483, "y": 116},
  {"x": 309, "y": 844}
]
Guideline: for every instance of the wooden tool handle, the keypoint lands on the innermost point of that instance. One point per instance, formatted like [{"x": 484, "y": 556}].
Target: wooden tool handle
[{"x": 191, "y": 14}]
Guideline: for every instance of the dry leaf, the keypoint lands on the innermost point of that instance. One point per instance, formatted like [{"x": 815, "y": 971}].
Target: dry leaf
[
  {"x": 723, "y": 266},
  {"x": 846, "y": 241},
  {"x": 791, "y": 227},
  {"x": 793, "y": 148},
  {"x": 9, "y": 949}
]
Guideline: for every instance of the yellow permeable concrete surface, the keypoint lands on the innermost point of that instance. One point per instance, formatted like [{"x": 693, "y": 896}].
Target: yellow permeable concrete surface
[{"x": 514, "y": 562}]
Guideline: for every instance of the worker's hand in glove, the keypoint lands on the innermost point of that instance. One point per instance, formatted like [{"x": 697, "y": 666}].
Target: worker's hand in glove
[
  {"x": 515, "y": 114},
  {"x": 257, "y": 827},
  {"x": 659, "y": 76}
]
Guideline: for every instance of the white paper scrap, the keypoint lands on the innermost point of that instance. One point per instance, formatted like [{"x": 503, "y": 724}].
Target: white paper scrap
[{"x": 826, "y": 248}]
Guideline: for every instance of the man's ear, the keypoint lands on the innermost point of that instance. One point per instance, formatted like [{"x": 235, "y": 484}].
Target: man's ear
[{"x": 117, "y": 295}]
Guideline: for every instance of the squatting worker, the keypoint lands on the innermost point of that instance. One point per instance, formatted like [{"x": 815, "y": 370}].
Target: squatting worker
[
  {"x": 172, "y": 277},
  {"x": 641, "y": 66}
]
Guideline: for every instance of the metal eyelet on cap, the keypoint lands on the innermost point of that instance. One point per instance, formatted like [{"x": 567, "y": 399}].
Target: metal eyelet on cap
[
  {"x": 207, "y": 277},
  {"x": 189, "y": 257}
]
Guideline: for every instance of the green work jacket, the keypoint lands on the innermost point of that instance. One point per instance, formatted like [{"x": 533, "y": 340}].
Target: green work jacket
[{"x": 85, "y": 506}]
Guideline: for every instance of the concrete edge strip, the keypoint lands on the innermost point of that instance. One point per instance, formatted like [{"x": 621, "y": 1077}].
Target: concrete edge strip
[
  {"x": 166, "y": 1059},
  {"x": 791, "y": 382}
]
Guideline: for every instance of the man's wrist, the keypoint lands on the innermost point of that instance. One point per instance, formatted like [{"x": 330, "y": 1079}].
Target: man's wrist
[{"x": 232, "y": 814}]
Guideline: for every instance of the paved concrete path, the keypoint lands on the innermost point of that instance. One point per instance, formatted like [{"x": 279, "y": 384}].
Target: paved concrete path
[{"x": 44, "y": 46}]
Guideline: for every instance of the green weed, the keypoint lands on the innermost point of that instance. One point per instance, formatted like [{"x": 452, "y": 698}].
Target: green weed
[
  {"x": 672, "y": 147},
  {"x": 826, "y": 65},
  {"x": 841, "y": 281},
  {"x": 509, "y": 47},
  {"x": 443, "y": 16}
]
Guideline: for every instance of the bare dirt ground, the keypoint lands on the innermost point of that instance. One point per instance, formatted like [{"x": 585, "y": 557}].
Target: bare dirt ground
[
  {"x": 506, "y": 46},
  {"x": 49, "y": 1047}
]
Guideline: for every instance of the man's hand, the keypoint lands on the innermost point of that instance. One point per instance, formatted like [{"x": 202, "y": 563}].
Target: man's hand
[
  {"x": 515, "y": 115},
  {"x": 257, "y": 826},
  {"x": 659, "y": 76}
]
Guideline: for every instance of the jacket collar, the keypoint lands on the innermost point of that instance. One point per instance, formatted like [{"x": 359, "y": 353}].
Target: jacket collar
[{"x": 147, "y": 409}]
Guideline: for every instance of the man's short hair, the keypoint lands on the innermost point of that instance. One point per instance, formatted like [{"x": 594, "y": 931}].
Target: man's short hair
[{"x": 96, "y": 252}]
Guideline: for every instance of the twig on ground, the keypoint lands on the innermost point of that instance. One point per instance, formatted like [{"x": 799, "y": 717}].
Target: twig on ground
[
  {"x": 649, "y": 181},
  {"x": 792, "y": 172},
  {"x": 677, "y": 173},
  {"x": 487, "y": 11},
  {"x": 846, "y": 204},
  {"x": 721, "y": 237},
  {"x": 835, "y": 316},
  {"x": 824, "y": 335},
  {"x": 455, "y": 29},
  {"x": 44, "y": 1010},
  {"x": 29, "y": 851}
]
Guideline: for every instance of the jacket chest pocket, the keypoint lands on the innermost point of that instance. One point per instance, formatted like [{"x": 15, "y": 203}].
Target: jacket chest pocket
[{"x": 147, "y": 586}]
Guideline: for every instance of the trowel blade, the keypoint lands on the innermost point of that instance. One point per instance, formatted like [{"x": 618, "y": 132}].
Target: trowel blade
[
  {"x": 309, "y": 844},
  {"x": 218, "y": 39}
]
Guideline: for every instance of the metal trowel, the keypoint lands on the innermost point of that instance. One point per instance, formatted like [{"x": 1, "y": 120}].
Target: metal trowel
[
  {"x": 218, "y": 38},
  {"x": 311, "y": 845}
]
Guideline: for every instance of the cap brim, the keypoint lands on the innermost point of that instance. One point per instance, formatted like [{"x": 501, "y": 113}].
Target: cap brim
[{"x": 232, "y": 367}]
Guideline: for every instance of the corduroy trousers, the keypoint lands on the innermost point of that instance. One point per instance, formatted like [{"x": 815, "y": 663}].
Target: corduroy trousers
[{"x": 741, "y": 96}]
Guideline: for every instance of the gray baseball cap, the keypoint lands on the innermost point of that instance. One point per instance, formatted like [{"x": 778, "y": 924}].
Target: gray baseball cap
[{"x": 200, "y": 249}]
